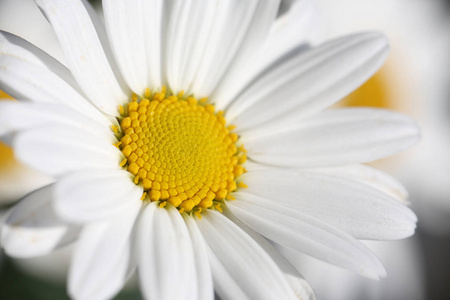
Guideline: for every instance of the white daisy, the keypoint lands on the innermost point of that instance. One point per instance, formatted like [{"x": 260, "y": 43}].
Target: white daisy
[{"x": 189, "y": 140}]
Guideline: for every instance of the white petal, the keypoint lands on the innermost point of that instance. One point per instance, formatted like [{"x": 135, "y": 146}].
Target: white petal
[
  {"x": 17, "y": 180},
  {"x": 32, "y": 228},
  {"x": 299, "y": 285},
  {"x": 303, "y": 83},
  {"x": 62, "y": 149},
  {"x": 85, "y": 54},
  {"x": 125, "y": 26},
  {"x": 91, "y": 195},
  {"x": 239, "y": 27},
  {"x": 298, "y": 231},
  {"x": 358, "y": 209},
  {"x": 28, "y": 73},
  {"x": 334, "y": 137},
  {"x": 189, "y": 23},
  {"x": 23, "y": 18},
  {"x": 202, "y": 265},
  {"x": 370, "y": 176},
  {"x": 153, "y": 29},
  {"x": 225, "y": 285},
  {"x": 296, "y": 26},
  {"x": 291, "y": 30},
  {"x": 102, "y": 260},
  {"x": 17, "y": 116},
  {"x": 165, "y": 255},
  {"x": 241, "y": 268}
]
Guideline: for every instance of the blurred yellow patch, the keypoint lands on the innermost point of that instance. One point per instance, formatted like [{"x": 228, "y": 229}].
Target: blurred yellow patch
[
  {"x": 6, "y": 156},
  {"x": 373, "y": 93},
  {"x": 6, "y": 153},
  {"x": 4, "y": 95}
]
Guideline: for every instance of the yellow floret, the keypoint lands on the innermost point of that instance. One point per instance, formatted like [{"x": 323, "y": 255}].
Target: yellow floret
[{"x": 180, "y": 150}]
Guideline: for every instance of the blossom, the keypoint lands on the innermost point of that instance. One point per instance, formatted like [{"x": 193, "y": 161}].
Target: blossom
[{"x": 190, "y": 140}]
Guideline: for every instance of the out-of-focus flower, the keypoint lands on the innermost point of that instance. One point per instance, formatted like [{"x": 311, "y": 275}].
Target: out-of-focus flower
[
  {"x": 144, "y": 171},
  {"x": 23, "y": 19},
  {"x": 16, "y": 180}
]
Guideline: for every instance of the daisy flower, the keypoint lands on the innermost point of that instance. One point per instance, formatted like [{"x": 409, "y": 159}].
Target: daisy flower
[{"x": 190, "y": 141}]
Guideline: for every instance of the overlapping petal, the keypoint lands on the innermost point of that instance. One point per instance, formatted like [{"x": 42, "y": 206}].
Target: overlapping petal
[
  {"x": 83, "y": 40},
  {"x": 371, "y": 177},
  {"x": 28, "y": 73},
  {"x": 188, "y": 26},
  {"x": 301, "y": 232},
  {"x": 299, "y": 285},
  {"x": 165, "y": 255},
  {"x": 63, "y": 149},
  {"x": 355, "y": 208},
  {"x": 238, "y": 28},
  {"x": 241, "y": 268},
  {"x": 295, "y": 28},
  {"x": 103, "y": 257},
  {"x": 16, "y": 117},
  {"x": 32, "y": 228},
  {"x": 126, "y": 27},
  {"x": 304, "y": 82},
  {"x": 202, "y": 264},
  {"x": 92, "y": 195},
  {"x": 334, "y": 137}
]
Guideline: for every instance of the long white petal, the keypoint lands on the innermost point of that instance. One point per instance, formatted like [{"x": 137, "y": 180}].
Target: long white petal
[
  {"x": 241, "y": 268},
  {"x": 165, "y": 255},
  {"x": 303, "y": 83},
  {"x": 299, "y": 285},
  {"x": 92, "y": 195},
  {"x": 80, "y": 37},
  {"x": 125, "y": 26},
  {"x": 358, "y": 209},
  {"x": 102, "y": 260},
  {"x": 189, "y": 23},
  {"x": 154, "y": 34},
  {"x": 23, "y": 18},
  {"x": 294, "y": 28},
  {"x": 369, "y": 176},
  {"x": 18, "y": 116},
  {"x": 239, "y": 27},
  {"x": 33, "y": 229},
  {"x": 202, "y": 265},
  {"x": 301, "y": 232},
  {"x": 28, "y": 73},
  {"x": 62, "y": 149},
  {"x": 334, "y": 137}
]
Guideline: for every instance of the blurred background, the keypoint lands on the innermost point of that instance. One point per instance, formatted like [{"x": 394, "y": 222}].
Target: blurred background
[{"x": 415, "y": 81}]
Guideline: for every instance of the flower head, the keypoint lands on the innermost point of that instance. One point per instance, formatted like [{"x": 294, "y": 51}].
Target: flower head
[{"x": 189, "y": 140}]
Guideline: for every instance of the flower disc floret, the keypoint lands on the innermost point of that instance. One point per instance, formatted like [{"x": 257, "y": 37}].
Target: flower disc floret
[{"x": 180, "y": 150}]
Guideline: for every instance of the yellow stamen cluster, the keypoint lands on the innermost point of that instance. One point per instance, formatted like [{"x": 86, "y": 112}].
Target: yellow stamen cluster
[{"x": 180, "y": 150}]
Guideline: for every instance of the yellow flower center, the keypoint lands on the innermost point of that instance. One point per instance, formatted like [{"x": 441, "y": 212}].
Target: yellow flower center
[{"x": 180, "y": 150}]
